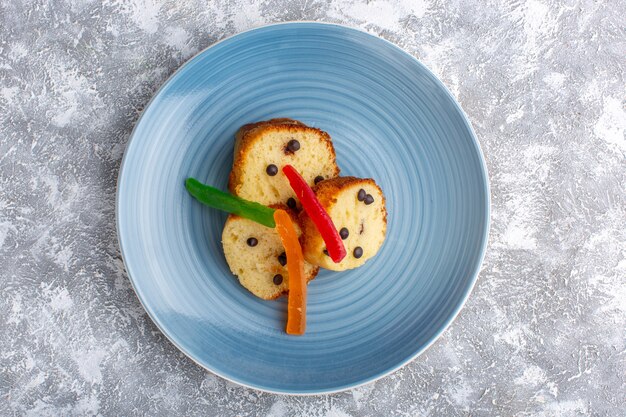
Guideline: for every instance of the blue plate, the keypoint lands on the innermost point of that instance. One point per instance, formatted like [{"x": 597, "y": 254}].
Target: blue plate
[{"x": 390, "y": 119}]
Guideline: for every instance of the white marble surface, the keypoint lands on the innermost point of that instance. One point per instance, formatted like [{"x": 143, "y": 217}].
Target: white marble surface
[{"x": 544, "y": 332}]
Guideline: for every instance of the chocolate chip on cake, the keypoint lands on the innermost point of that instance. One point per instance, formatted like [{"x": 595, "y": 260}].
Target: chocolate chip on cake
[
  {"x": 368, "y": 199},
  {"x": 282, "y": 259},
  {"x": 358, "y": 252},
  {"x": 252, "y": 241},
  {"x": 291, "y": 203},
  {"x": 271, "y": 170},
  {"x": 292, "y": 146},
  {"x": 278, "y": 279},
  {"x": 344, "y": 233},
  {"x": 318, "y": 179},
  {"x": 361, "y": 195}
]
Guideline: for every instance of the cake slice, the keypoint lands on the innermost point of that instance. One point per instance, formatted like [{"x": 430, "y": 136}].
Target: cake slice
[
  {"x": 262, "y": 149},
  {"x": 357, "y": 208},
  {"x": 256, "y": 255}
]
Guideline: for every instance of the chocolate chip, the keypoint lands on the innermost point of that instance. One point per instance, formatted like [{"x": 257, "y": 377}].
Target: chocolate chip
[
  {"x": 358, "y": 252},
  {"x": 361, "y": 195},
  {"x": 344, "y": 233},
  {"x": 278, "y": 279},
  {"x": 271, "y": 170},
  {"x": 318, "y": 179},
  {"x": 291, "y": 203},
  {"x": 368, "y": 199},
  {"x": 252, "y": 241},
  {"x": 326, "y": 252},
  {"x": 293, "y": 145},
  {"x": 282, "y": 259}
]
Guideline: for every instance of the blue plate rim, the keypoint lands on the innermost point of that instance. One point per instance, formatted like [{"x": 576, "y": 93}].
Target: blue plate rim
[{"x": 419, "y": 351}]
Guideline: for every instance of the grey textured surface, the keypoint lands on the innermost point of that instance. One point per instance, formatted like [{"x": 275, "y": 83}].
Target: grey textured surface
[{"x": 544, "y": 332}]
